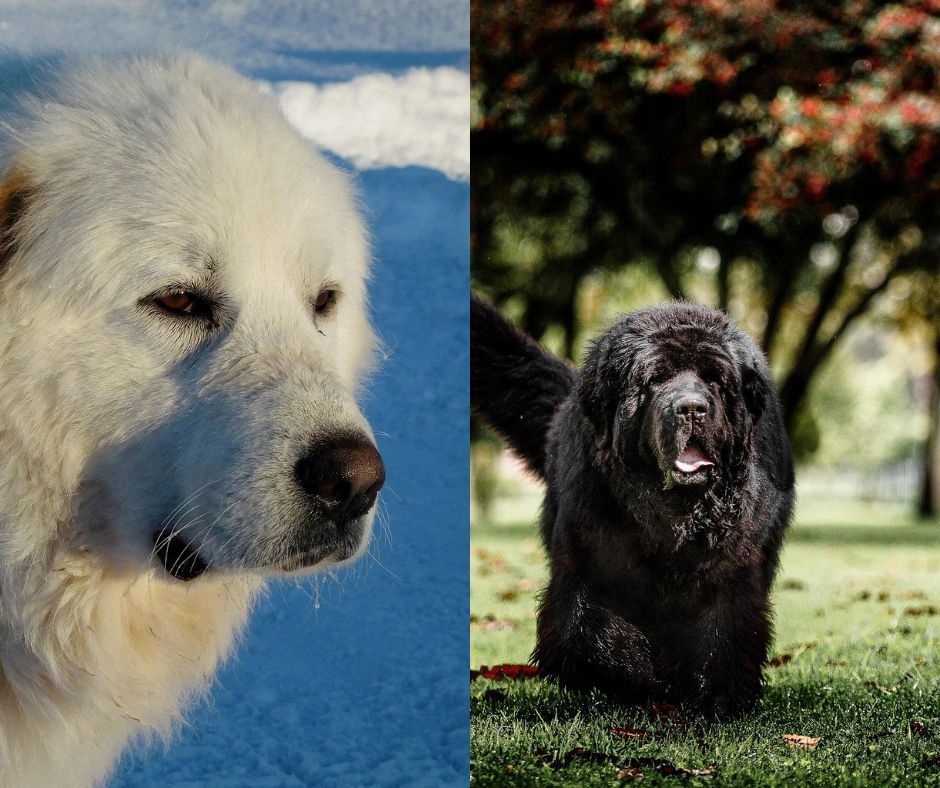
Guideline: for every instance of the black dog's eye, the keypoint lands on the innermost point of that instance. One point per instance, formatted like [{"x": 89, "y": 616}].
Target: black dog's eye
[
  {"x": 712, "y": 378},
  {"x": 325, "y": 301},
  {"x": 183, "y": 302}
]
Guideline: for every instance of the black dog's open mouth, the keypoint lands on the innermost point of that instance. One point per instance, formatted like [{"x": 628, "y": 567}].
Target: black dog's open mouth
[
  {"x": 692, "y": 464},
  {"x": 178, "y": 556}
]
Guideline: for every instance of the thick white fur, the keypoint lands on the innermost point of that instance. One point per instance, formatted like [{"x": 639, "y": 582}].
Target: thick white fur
[{"x": 114, "y": 419}]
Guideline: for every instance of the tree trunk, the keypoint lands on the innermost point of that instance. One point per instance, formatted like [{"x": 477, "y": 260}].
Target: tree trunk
[
  {"x": 928, "y": 504},
  {"x": 724, "y": 282},
  {"x": 569, "y": 319},
  {"x": 798, "y": 380}
]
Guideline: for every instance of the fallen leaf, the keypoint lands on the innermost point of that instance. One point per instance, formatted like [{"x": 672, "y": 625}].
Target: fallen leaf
[
  {"x": 630, "y": 773},
  {"x": 664, "y": 710},
  {"x": 509, "y": 595},
  {"x": 490, "y": 561},
  {"x": 489, "y": 623},
  {"x": 780, "y": 659},
  {"x": 801, "y": 742},
  {"x": 708, "y": 770},
  {"x": 923, "y": 610},
  {"x": 880, "y": 688},
  {"x": 919, "y": 729},
  {"x": 499, "y": 672},
  {"x": 581, "y": 754},
  {"x": 630, "y": 733}
]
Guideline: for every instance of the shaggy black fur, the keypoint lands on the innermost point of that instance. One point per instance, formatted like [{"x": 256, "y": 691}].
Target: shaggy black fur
[
  {"x": 669, "y": 488},
  {"x": 520, "y": 384}
]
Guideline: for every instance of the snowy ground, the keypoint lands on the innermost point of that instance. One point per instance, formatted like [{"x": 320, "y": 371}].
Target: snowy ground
[{"x": 360, "y": 681}]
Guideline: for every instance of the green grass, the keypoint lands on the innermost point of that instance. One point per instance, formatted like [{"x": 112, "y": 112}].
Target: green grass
[{"x": 857, "y": 609}]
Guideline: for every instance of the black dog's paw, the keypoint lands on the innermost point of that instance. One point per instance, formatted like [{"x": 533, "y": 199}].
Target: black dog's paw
[
  {"x": 605, "y": 651},
  {"x": 721, "y": 704}
]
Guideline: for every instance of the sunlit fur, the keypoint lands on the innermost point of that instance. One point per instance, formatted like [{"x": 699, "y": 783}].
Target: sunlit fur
[{"x": 123, "y": 178}]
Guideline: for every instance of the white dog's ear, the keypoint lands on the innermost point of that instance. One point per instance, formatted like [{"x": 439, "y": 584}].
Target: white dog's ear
[{"x": 14, "y": 198}]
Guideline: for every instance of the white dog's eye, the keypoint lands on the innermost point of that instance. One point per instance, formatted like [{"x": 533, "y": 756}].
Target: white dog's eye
[
  {"x": 181, "y": 302},
  {"x": 324, "y": 302}
]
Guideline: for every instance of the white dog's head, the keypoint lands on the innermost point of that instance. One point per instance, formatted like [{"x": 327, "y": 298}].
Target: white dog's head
[{"x": 182, "y": 291}]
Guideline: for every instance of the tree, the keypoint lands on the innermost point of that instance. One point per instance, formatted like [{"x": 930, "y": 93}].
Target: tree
[
  {"x": 928, "y": 504},
  {"x": 794, "y": 142},
  {"x": 922, "y": 311}
]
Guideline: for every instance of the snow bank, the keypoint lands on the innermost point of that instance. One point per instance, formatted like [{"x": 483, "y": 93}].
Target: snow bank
[{"x": 420, "y": 117}]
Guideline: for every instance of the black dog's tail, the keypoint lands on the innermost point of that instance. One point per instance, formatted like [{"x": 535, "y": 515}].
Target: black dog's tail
[{"x": 515, "y": 385}]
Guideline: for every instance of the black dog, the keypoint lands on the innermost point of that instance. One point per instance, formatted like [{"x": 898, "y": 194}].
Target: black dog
[{"x": 669, "y": 488}]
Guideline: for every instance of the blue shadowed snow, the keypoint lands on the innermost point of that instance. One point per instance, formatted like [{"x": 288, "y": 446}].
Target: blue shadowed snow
[{"x": 371, "y": 687}]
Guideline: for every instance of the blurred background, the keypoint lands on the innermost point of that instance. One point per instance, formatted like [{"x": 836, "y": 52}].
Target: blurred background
[{"x": 779, "y": 161}]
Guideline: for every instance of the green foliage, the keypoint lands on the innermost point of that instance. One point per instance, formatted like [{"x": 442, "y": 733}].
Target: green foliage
[{"x": 777, "y": 160}]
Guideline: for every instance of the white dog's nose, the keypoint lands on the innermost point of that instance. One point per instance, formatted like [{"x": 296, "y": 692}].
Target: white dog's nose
[{"x": 344, "y": 475}]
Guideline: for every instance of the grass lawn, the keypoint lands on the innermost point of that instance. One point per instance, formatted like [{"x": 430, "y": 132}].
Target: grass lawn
[{"x": 858, "y": 627}]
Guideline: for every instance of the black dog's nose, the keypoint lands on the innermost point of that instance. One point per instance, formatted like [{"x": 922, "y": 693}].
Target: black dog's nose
[
  {"x": 690, "y": 406},
  {"x": 344, "y": 474}
]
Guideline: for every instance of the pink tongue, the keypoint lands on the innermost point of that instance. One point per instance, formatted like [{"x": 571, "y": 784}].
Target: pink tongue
[{"x": 691, "y": 459}]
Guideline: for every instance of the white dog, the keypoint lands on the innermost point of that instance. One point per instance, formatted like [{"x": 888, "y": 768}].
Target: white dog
[{"x": 182, "y": 327}]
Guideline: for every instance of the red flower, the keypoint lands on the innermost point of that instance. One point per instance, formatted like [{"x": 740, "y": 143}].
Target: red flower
[
  {"x": 811, "y": 107},
  {"x": 681, "y": 89},
  {"x": 816, "y": 184}
]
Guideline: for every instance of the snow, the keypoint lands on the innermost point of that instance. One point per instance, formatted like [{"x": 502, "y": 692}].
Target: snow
[
  {"x": 420, "y": 117},
  {"x": 362, "y": 679}
]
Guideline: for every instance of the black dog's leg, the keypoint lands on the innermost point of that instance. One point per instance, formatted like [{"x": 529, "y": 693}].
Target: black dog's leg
[
  {"x": 734, "y": 636},
  {"x": 584, "y": 644}
]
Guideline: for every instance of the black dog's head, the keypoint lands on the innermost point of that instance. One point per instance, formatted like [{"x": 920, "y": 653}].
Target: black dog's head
[{"x": 672, "y": 394}]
